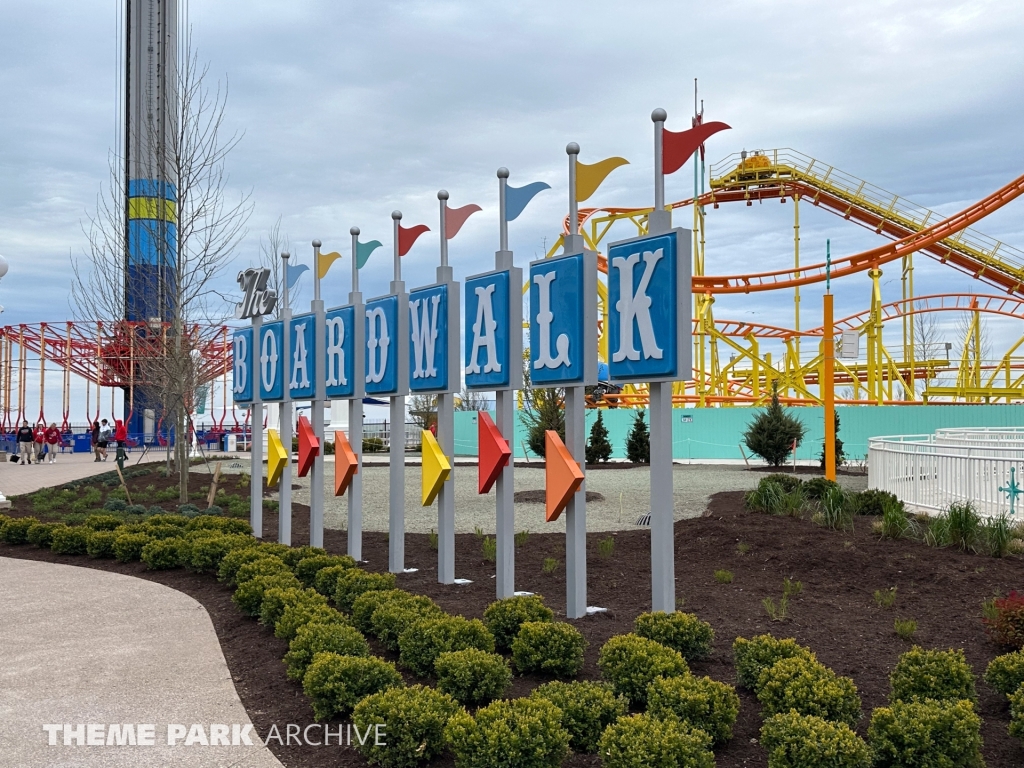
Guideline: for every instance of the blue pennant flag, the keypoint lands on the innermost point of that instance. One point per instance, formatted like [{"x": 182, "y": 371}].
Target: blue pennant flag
[
  {"x": 293, "y": 272},
  {"x": 517, "y": 198}
]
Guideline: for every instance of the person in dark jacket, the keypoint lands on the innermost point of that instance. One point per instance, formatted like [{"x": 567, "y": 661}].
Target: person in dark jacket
[
  {"x": 94, "y": 440},
  {"x": 26, "y": 440}
]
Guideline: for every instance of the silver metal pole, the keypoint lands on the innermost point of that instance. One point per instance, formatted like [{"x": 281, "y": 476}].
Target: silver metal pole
[
  {"x": 446, "y": 426},
  {"x": 256, "y": 437},
  {"x": 355, "y": 409},
  {"x": 284, "y": 519},
  {"x": 504, "y": 412},
  {"x": 316, "y": 480},
  {"x": 396, "y": 453},
  {"x": 576, "y": 510}
]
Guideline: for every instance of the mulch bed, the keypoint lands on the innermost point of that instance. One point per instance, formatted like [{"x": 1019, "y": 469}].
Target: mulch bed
[{"x": 835, "y": 613}]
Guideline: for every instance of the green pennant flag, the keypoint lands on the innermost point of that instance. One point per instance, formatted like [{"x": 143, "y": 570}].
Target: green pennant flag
[{"x": 363, "y": 251}]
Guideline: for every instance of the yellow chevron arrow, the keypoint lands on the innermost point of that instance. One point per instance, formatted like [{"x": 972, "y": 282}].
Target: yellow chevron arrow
[
  {"x": 277, "y": 457},
  {"x": 436, "y": 468}
]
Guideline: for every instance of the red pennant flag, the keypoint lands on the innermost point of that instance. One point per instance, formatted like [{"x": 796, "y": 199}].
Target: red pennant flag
[
  {"x": 677, "y": 147},
  {"x": 406, "y": 237},
  {"x": 454, "y": 218}
]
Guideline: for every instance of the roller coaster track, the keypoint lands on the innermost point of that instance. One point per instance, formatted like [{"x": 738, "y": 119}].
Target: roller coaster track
[{"x": 778, "y": 174}]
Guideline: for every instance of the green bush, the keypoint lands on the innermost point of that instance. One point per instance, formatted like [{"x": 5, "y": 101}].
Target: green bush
[
  {"x": 549, "y": 647},
  {"x": 759, "y": 653},
  {"x": 704, "y": 703},
  {"x": 773, "y": 498},
  {"x": 587, "y": 709},
  {"x": 295, "y": 555},
  {"x": 336, "y": 683},
  {"x": 128, "y": 546},
  {"x": 810, "y": 688},
  {"x": 504, "y": 617},
  {"x": 364, "y": 605},
  {"x": 793, "y": 740},
  {"x": 275, "y": 601},
  {"x": 642, "y": 741},
  {"x": 103, "y": 522},
  {"x": 682, "y": 632},
  {"x": 414, "y": 720},
  {"x": 1006, "y": 673},
  {"x": 928, "y": 734},
  {"x": 205, "y": 552},
  {"x": 163, "y": 530},
  {"x": 67, "y": 540},
  {"x": 265, "y": 566},
  {"x": 326, "y": 580},
  {"x": 522, "y": 733},
  {"x": 816, "y": 487},
  {"x": 162, "y": 554},
  {"x": 308, "y": 610},
  {"x": 923, "y": 674},
  {"x": 115, "y": 505},
  {"x": 101, "y": 543},
  {"x": 472, "y": 676},
  {"x": 425, "y": 640},
  {"x": 631, "y": 663},
  {"x": 872, "y": 501},
  {"x": 390, "y": 620},
  {"x": 41, "y": 534},
  {"x": 788, "y": 482},
  {"x": 160, "y": 518},
  {"x": 308, "y": 568},
  {"x": 1017, "y": 713},
  {"x": 312, "y": 639},
  {"x": 15, "y": 530},
  {"x": 248, "y": 595},
  {"x": 235, "y": 559},
  {"x": 351, "y": 585}
]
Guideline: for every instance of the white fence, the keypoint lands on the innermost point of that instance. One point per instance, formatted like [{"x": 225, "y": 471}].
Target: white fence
[{"x": 928, "y": 472}]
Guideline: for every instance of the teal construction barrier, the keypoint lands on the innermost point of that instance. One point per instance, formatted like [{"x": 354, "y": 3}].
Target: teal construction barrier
[{"x": 707, "y": 434}]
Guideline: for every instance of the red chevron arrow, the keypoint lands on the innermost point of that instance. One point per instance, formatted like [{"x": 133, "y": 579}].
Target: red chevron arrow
[
  {"x": 309, "y": 446},
  {"x": 493, "y": 450}
]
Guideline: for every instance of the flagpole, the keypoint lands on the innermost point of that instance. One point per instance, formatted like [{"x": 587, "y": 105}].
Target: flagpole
[
  {"x": 573, "y": 241},
  {"x": 504, "y": 405},
  {"x": 663, "y": 597},
  {"x": 316, "y": 481},
  {"x": 446, "y": 420},
  {"x": 355, "y": 407},
  {"x": 284, "y": 513},
  {"x": 396, "y": 449}
]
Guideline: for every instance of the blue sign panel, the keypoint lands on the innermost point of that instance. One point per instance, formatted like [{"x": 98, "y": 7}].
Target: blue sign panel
[
  {"x": 271, "y": 362},
  {"x": 302, "y": 382},
  {"x": 242, "y": 365},
  {"x": 382, "y": 346},
  {"x": 340, "y": 341},
  {"x": 643, "y": 308},
  {"x": 428, "y": 337},
  {"x": 557, "y": 318},
  {"x": 487, "y": 329}
]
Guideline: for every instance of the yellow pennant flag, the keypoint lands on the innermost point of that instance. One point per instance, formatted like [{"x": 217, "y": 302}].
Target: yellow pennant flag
[
  {"x": 590, "y": 177},
  {"x": 326, "y": 260}
]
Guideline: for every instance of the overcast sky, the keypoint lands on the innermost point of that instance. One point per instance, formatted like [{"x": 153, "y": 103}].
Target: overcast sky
[{"x": 350, "y": 110}]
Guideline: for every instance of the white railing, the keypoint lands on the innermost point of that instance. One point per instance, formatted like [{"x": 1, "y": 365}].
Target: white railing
[{"x": 928, "y": 472}]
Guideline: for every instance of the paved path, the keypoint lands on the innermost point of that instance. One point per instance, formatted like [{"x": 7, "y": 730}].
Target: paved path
[
  {"x": 84, "y": 646},
  {"x": 16, "y": 479}
]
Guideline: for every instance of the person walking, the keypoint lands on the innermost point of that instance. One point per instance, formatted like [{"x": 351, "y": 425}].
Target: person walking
[
  {"x": 53, "y": 440},
  {"x": 40, "y": 441},
  {"x": 26, "y": 438},
  {"x": 121, "y": 438},
  {"x": 94, "y": 440},
  {"x": 103, "y": 438}
]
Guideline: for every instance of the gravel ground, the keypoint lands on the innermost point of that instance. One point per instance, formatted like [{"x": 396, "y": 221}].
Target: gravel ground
[{"x": 626, "y": 496}]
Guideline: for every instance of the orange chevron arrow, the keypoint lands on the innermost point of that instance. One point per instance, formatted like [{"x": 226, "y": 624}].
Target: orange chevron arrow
[
  {"x": 277, "y": 457},
  {"x": 309, "y": 446},
  {"x": 346, "y": 463},
  {"x": 493, "y": 452},
  {"x": 562, "y": 476}
]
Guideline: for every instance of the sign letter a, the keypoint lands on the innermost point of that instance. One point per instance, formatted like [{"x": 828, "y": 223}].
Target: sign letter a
[{"x": 483, "y": 332}]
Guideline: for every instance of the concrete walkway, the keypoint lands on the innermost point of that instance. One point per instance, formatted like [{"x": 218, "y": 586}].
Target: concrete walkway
[{"x": 83, "y": 646}]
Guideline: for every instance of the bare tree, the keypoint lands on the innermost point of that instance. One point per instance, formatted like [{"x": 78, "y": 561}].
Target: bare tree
[
  {"x": 271, "y": 247},
  {"x": 471, "y": 400},
  {"x": 973, "y": 347},
  {"x": 929, "y": 342},
  {"x": 423, "y": 410},
  {"x": 169, "y": 355}
]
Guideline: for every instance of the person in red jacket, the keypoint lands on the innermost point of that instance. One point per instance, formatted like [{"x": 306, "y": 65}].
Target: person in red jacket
[
  {"x": 120, "y": 433},
  {"x": 40, "y": 441},
  {"x": 53, "y": 441}
]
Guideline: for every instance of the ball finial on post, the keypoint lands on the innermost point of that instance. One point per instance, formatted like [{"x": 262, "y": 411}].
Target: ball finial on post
[
  {"x": 572, "y": 148},
  {"x": 317, "y": 243},
  {"x": 396, "y": 215},
  {"x": 503, "y": 172},
  {"x": 442, "y": 194},
  {"x": 353, "y": 231},
  {"x": 659, "y": 115}
]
